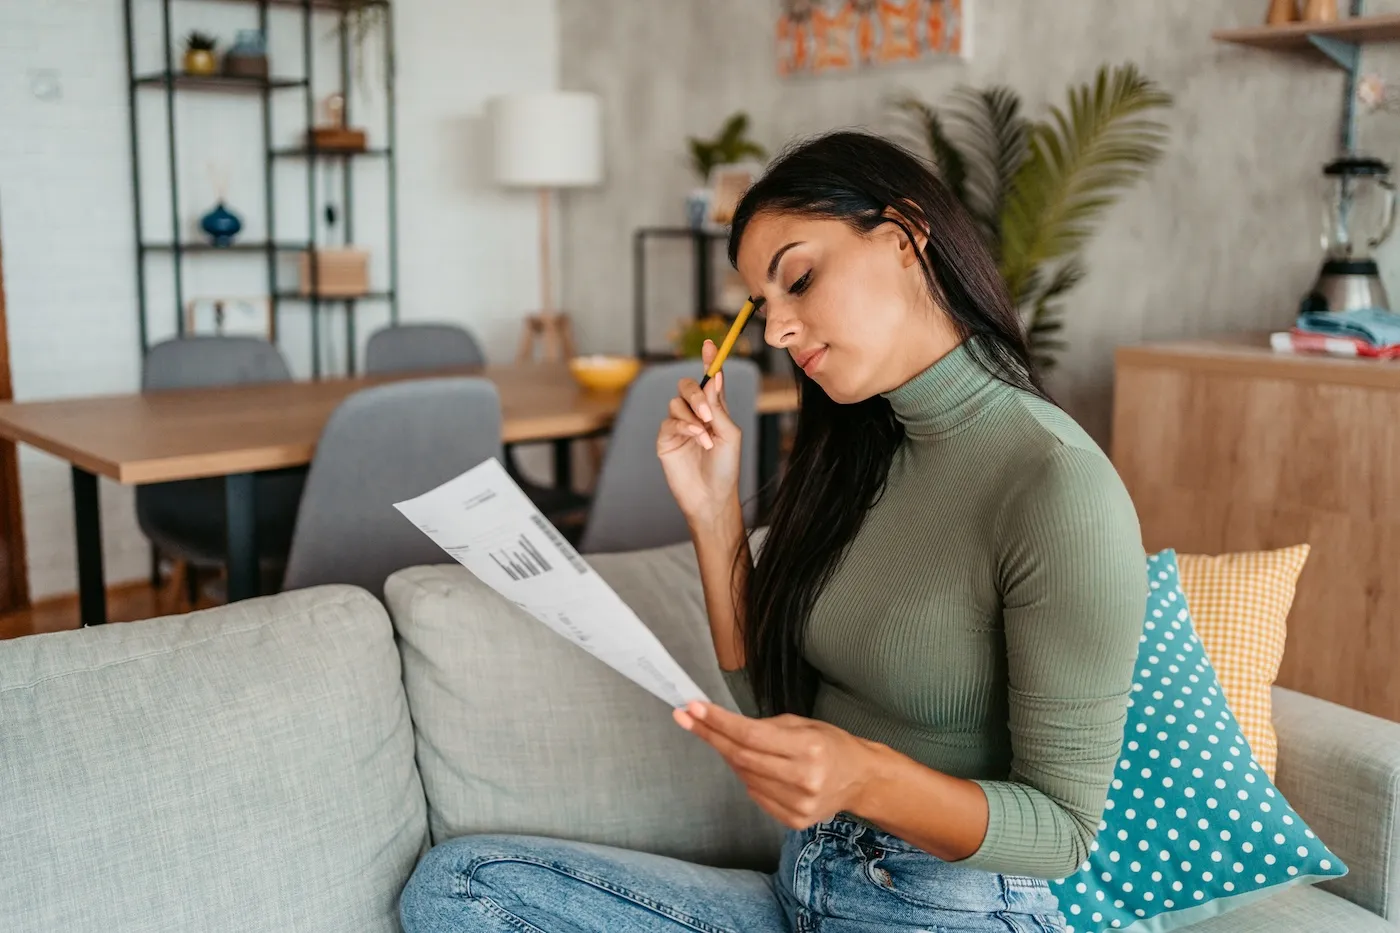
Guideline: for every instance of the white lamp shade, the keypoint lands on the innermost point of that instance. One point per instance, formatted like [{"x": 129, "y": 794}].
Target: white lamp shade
[{"x": 550, "y": 139}]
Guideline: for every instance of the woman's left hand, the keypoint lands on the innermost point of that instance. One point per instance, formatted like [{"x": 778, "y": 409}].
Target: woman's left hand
[{"x": 801, "y": 771}]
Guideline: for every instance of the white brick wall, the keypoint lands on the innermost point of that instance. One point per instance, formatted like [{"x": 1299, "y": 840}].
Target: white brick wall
[{"x": 466, "y": 248}]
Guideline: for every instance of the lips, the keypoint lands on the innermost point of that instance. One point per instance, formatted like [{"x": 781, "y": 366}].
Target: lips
[{"x": 806, "y": 358}]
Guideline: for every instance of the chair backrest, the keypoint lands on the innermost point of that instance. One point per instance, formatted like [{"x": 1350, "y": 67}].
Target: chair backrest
[
  {"x": 201, "y": 362},
  {"x": 384, "y": 445},
  {"x": 198, "y": 363},
  {"x": 421, "y": 347},
  {"x": 632, "y": 505}
]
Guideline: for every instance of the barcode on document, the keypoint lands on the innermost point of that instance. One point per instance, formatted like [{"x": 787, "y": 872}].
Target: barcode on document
[{"x": 559, "y": 543}]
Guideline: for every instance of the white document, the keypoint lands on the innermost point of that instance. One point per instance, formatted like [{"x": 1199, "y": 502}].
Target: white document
[{"x": 488, "y": 525}]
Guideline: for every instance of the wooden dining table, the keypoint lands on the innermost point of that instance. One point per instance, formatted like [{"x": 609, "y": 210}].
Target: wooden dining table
[{"x": 238, "y": 431}]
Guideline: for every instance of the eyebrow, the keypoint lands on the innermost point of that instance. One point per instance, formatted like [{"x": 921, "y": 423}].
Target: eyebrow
[{"x": 777, "y": 257}]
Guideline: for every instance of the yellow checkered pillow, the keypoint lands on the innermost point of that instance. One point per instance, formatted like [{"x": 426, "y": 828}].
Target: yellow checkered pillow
[{"x": 1240, "y": 603}]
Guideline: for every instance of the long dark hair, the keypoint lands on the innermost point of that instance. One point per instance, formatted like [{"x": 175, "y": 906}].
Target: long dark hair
[{"x": 842, "y": 453}]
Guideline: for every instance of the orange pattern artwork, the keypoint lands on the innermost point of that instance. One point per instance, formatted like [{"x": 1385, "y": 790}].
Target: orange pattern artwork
[
  {"x": 833, "y": 38},
  {"x": 823, "y": 36},
  {"x": 899, "y": 31}
]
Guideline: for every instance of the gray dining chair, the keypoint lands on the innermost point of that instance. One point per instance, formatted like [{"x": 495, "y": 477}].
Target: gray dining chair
[
  {"x": 186, "y": 520},
  {"x": 414, "y": 348},
  {"x": 384, "y": 445},
  {"x": 406, "y": 348},
  {"x": 632, "y": 506}
]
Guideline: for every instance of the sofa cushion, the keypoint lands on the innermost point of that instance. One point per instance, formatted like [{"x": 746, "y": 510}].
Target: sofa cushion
[
  {"x": 520, "y": 731},
  {"x": 1192, "y": 826},
  {"x": 1304, "y": 909},
  {"x": 1239, "y": 603},
  {"x": 248, "y": 768}
]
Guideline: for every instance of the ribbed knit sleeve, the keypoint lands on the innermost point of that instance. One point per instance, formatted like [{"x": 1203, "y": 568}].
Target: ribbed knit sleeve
[{"x": 1070, "y": 567}]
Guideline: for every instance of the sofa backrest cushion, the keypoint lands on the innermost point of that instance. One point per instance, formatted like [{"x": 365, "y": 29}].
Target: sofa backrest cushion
[
  {"x": 520, "y": 731},
  {"x": 247, "y": 768}
]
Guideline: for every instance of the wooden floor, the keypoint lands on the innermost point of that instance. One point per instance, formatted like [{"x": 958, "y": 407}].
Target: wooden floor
[{"x": 126, "y": 602}]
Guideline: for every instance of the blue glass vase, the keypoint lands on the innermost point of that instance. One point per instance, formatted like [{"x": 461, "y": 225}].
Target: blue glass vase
[{"x": 221, "y": 224}]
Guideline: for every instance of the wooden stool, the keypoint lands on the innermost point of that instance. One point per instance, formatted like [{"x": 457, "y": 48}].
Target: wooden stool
[
  {"x": 551, "y": 334},
  {"x": 548, "y": 337}
]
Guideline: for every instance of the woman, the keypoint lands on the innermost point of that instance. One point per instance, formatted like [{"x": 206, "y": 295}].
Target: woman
[{"x": 941, "y": 624}]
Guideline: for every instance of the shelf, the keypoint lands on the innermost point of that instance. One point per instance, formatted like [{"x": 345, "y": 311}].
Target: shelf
[
  {"x": 303, "y": 153},
  {"x": 1338, "y": 42},
  {"x": 315, "y": 4},
  {"x": 200, "y": 247},
  {"x": 215, "y": 82},
  {"x": 683, "y": 232},
  {"x": 330, "y": 299},
  {"x": 1384, "y": 28}
]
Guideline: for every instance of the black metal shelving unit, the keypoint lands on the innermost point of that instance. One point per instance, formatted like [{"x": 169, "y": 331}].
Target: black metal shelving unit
[
  {"x": 702, "y": 246},
  {"x": 170, "y": 81}
]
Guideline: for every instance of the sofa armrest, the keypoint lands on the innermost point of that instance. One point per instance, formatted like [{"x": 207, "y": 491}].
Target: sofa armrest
[{"x": 1340, "y": 769}]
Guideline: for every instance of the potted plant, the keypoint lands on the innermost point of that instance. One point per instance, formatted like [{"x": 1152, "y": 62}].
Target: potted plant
[
  {"x": 362, "y": 18},
  {"x": 731, "y": 146},
  {"x": 1036, "y": 188},
  {"x": 199, "y": 53}
]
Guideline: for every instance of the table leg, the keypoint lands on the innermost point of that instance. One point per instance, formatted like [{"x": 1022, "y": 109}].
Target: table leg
[
  {"x": 769, "y": 451},
  {"x": 564, "y": 464},
  {"x": 241, "y": 516},
  {"x": 87, "y": 519}
]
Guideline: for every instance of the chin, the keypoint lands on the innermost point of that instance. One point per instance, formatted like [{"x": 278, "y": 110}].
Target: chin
[{"x": 838, "y": 392}]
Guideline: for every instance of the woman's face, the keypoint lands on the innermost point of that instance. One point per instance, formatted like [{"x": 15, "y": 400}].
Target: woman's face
[{"x": 852, "y": 309}]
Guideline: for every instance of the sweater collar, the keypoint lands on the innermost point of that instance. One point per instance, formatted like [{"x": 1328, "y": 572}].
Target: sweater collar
[{"x": 944, "y": 396}]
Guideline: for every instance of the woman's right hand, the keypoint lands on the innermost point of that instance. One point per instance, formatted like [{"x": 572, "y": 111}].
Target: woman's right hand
[{"x": 699, "y": 448}]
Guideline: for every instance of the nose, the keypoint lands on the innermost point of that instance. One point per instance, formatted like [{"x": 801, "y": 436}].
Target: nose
[{"x": 781, "y": 328}]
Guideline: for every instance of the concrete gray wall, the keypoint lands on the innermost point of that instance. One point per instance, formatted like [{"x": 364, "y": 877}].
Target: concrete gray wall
[{"x": 1221, "y": 237}]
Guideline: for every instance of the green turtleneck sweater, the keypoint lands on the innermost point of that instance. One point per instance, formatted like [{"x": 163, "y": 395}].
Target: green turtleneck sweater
[{"x": 985, "y": 619}]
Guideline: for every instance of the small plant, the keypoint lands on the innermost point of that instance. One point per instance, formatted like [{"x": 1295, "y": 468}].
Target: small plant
[
  {"x": 688, "y": 338},
  {"x": 362, "y": 19},
  {"x": 731, "y": 145},
  {"x": 198, "y": 41},
  {"x": 199, "y": 54}
]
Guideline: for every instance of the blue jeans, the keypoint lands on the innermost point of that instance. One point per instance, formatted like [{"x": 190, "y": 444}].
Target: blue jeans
[{"x": 836, "y": 877}]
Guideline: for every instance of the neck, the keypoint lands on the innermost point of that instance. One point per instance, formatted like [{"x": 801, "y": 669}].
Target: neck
[{"x": 937, "y": 341}]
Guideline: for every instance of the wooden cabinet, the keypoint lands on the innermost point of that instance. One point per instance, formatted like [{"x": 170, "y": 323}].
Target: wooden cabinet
[{"x": 1227, "y": 446}]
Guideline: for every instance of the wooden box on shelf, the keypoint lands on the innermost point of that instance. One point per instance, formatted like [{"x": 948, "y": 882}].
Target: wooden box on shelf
[
  {"x": 340, "y": 272},
  {"x": 337, "y": 139}
]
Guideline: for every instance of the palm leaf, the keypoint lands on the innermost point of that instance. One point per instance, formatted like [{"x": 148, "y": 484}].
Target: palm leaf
[
  {"x": 1047, "y": 316},
  {"x": 1080, "y": 161},
  {"x": 991, "y": 130},
  {"x": 947, "y": 158}
]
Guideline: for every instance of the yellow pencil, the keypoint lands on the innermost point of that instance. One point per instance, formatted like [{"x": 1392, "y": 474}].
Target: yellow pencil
[{"x": 745, "y": 312}]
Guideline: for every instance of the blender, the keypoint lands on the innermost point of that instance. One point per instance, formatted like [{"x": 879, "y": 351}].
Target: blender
[{"x": 1358, "y": 214}]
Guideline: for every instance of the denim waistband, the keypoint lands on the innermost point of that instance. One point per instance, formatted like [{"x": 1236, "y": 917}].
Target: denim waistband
[{"x": 860, "y": 831}]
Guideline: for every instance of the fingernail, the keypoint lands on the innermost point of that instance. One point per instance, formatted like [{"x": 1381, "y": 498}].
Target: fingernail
[
  {"x": 696, "y": 709},
  {"x": 682, "y": 719},
  {"x": 705, "y": 414}
]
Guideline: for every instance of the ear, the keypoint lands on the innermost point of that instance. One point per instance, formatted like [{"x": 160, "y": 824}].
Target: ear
[{"x": 906, "y": 221}]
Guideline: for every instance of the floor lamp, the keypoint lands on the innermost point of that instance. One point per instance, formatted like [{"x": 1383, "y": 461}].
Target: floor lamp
[{"x": 547, "y": 140}]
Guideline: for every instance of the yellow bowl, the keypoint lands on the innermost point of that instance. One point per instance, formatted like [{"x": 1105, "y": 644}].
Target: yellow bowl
[{"x": 605, "y": 373}]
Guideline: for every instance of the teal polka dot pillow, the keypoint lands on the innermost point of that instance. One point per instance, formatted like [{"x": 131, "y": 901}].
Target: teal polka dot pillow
[{"x": 1193, "y": 827}]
